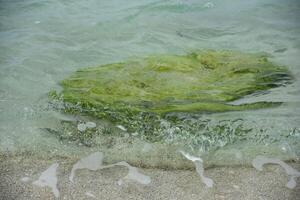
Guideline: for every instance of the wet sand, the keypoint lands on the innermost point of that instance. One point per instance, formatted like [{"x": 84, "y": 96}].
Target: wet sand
[{"x": 230, "y": 182}]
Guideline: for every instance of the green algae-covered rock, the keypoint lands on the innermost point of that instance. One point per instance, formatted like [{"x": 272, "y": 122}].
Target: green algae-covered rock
[
  {"x": 160, "y": 101},
  {"x": 204, "y": 81}
]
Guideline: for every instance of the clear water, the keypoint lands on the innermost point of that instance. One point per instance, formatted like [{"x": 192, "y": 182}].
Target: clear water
[{"x": 42, "y": 42}]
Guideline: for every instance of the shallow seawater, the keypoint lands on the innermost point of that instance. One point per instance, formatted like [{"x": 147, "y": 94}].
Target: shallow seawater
[{"x": 43, "y": 42}]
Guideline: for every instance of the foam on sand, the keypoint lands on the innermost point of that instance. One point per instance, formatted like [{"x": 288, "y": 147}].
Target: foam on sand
[
  {"x": 133, "y": 174},
  {"x": 259, "y": 161},
  {"x": 48, "y": 178},
  {"x": 199, "y": 168},
  {"x": 91, "y": 162},
  {"x": 95, "y": 162}
]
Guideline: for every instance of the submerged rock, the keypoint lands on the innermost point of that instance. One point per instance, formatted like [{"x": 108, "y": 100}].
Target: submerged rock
[{"x": 142, "y": 91}]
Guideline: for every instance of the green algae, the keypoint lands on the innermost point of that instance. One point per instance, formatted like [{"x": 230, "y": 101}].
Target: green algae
[
  {"x": 204, "y": 81},
  {"x": 140, "y": 93}
]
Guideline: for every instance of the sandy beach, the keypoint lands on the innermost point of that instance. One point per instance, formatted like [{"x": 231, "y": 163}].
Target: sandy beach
[{"x": 229, "y": 182}]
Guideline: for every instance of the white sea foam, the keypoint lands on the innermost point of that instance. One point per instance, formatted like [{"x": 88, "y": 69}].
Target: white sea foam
[
  {"x": 259, "y": 161},
  {"x": 199, "y": 168},
  {"x": 133, "y": 174},
  {"x": 121, "y": 127},
  {"x": 190, "y": 157},
  {"x": 48, "y": 178},
  {"x": 91, "y": 162},
  {"x": 95, "y": 162},
  {"x": 90, "y": 125}
]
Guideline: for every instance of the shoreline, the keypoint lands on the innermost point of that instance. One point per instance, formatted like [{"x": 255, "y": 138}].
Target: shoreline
[
  {"x": 163, "y": 156},
  {"x": 231, "y": 182}
]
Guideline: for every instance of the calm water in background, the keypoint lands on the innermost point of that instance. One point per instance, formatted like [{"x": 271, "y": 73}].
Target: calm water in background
[{"x": 42, "y": 42}]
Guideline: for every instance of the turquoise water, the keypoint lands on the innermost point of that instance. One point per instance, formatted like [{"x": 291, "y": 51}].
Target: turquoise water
[{"x": 42, "y": 42}]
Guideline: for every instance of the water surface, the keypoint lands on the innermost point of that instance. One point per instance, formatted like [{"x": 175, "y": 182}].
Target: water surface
[{"x": 43, "y": 42}]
